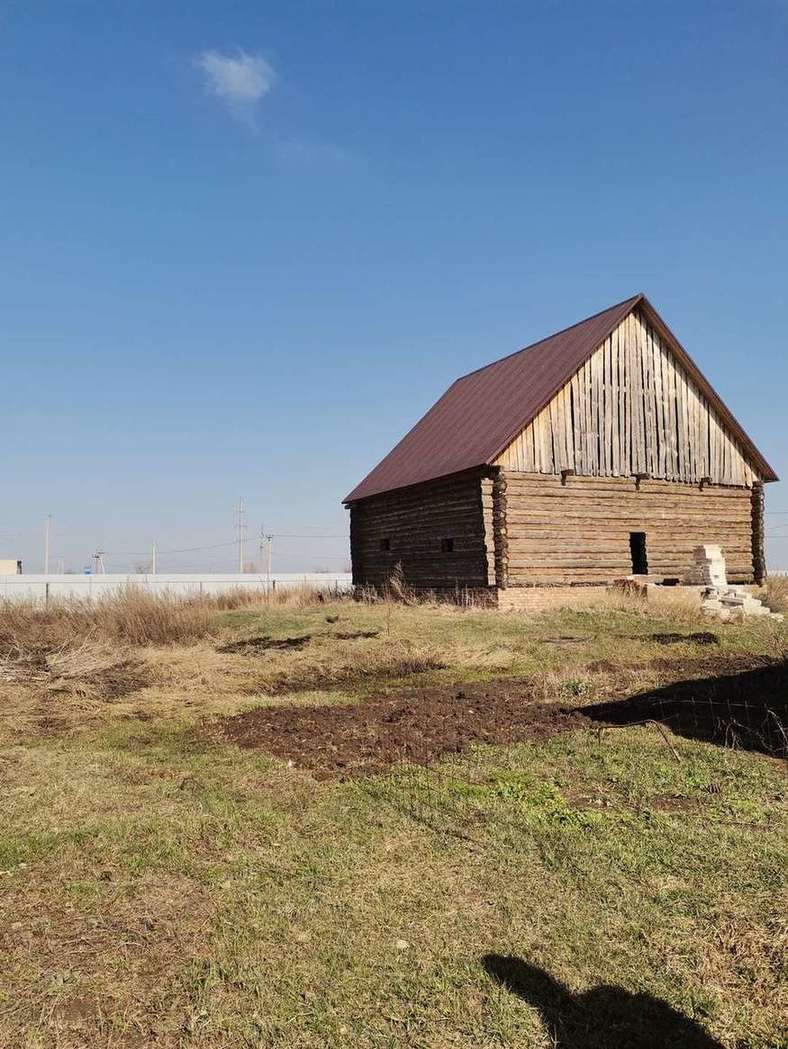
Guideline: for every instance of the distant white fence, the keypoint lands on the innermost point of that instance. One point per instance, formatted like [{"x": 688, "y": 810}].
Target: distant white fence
[
  {"x": 45, "y": 587},
  {"x": 778, "y": 571}
]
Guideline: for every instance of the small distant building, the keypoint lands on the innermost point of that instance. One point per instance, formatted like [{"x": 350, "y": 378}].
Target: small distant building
[
  {"x": 596, "y": 453},
  {"x": 9, "y": 566}
]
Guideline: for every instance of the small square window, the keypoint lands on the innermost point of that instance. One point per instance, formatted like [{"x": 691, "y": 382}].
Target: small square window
[
  {"x": 447, "y": 546},
  {"x": 385, "y": 544}
]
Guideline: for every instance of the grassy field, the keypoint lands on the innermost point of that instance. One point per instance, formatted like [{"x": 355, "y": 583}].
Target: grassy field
[{"x": 569, "y": 885}]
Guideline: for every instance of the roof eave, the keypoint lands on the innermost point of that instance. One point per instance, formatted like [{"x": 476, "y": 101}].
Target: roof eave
[{"x": 351, "y": 499}]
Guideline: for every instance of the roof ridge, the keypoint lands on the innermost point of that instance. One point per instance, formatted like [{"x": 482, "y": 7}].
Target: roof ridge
[
  {"x": 634, "y": 299},
  {"x": 483, "y": 411}
]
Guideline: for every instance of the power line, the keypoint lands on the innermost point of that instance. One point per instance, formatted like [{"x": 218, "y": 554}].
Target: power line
[
  {"x": 182, "y": 550},
  {"x": 286, "y": 535}
]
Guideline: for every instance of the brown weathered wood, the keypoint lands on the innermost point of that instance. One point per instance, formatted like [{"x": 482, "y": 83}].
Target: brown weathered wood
[
  {"x": 500, "y": 526},
  {"x": 579, "y": 532},
  {"x": 632, "y": 408},
  {"x": 414, "y": 521},
  {"x": 640, "y": 449}
]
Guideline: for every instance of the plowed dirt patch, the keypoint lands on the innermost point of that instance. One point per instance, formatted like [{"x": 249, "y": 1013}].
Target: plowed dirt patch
[
  {"x": 421, "y": 724},
  {"x": 366, "y": 738}
]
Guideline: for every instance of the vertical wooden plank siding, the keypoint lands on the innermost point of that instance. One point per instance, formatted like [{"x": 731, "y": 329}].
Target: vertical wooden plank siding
[{"x": 631, "y": 409}]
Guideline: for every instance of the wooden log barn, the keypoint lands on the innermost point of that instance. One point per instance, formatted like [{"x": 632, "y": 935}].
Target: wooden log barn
[{"x": 597, "y": 453}]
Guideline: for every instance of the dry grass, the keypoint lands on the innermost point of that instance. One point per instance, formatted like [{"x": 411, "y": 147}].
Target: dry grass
[
  {"x": 777, "y": 594},
  {"x": 159, "y": 887},
  {"x": 94, "y": 649},
  {"x": 130, "y": 615}
]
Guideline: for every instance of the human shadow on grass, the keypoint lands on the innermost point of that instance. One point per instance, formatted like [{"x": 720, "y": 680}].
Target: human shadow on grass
[
  {"x": 605, "y": 1017},
  {"x": 748, "y": 710}
]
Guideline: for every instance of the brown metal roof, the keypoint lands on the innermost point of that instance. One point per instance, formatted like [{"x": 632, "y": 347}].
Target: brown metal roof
[{"x": 481, "y": 413}]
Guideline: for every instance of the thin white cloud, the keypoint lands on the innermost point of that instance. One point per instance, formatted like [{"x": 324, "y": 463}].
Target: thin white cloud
[
  {"x": 311, "y": 152},
  {"x": 240, "y": 82}
]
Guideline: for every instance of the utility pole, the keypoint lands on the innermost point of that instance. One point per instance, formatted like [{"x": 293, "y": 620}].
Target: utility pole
[
  {"x": 153, "y": 561},
  {"x": 240, "y": 526},
  {"x": 47, "y": 534},
  {"x": 266, "y": 539}
]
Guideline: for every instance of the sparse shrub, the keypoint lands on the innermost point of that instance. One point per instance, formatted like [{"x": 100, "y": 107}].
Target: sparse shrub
[
  {"x": 574, "y": 687},
  {"x": 777, "y": 594}
]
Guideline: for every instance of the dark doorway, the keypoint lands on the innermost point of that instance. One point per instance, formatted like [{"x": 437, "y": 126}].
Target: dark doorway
[{"x": 637, "y": 548}]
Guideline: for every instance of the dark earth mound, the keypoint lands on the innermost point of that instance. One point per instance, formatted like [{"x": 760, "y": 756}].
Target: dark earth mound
[
  {"x": 702, "y": 637},
  {"x": 369, "y": 737},
  {"x": 248, "y": 646},
  {"x": 738, "y": 701}
]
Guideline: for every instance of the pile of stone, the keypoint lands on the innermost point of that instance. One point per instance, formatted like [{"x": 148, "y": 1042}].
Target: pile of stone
[{"x": 719, "y": 597}]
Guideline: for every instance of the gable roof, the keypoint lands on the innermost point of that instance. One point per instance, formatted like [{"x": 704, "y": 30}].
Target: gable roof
[{"x": 481, "y": 413}]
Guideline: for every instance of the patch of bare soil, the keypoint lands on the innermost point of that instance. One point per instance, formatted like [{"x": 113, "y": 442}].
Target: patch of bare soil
[
  {"x": 250, "y": 646},
  {"x": 98, "y": 672},
  {"x": 110, "y": 684},
  {"x": 419, "y": 727},
  {"x": 48, "y": 726},
  {"x": 701, "y": 637},
  {"x": 673, "y": 803}
]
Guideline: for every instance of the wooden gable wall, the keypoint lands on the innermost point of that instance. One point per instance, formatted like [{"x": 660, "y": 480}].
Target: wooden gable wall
[{"x": 631, "y": 409}]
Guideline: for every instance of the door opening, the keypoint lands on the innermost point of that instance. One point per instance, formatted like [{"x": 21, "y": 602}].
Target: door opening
[{"x": 637, "y": 548}]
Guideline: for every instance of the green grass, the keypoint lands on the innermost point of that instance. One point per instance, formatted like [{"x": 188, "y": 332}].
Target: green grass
[{"x": 162, "y": 888}]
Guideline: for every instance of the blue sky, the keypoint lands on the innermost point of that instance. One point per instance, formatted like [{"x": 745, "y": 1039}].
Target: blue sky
[{"x": 245, "y": 245}]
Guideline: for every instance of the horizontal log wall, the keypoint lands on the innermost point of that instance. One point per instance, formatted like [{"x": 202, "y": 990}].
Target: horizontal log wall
[
  {"x": 631, "y": 409},
  {"x": 414, "y": 521},
  {"x": 579, "y": 532}
]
